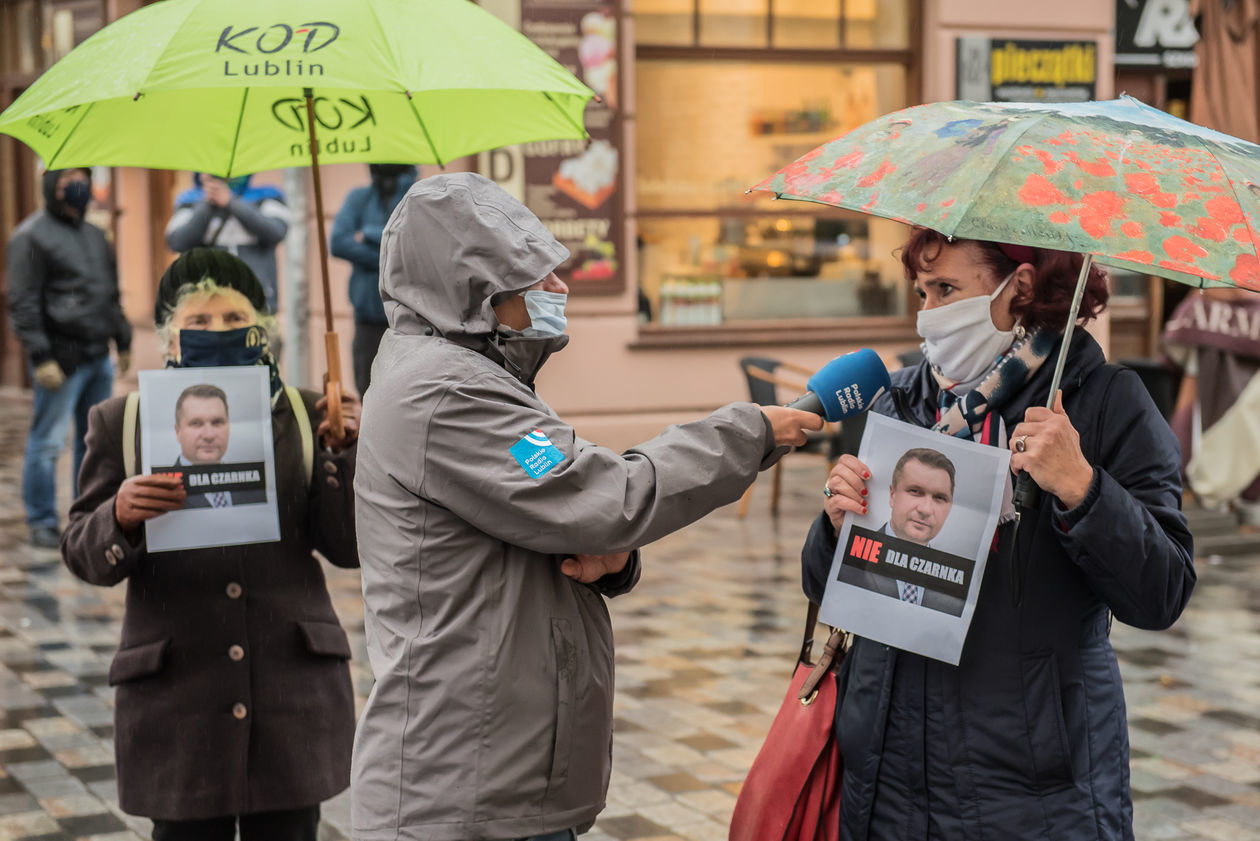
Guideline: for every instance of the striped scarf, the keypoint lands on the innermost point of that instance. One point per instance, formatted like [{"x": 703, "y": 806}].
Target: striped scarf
[{"x": 963, "y": 416}]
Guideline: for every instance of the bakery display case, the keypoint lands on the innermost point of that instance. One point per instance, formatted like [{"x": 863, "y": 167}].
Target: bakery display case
[{"x": 748, "y": 269}]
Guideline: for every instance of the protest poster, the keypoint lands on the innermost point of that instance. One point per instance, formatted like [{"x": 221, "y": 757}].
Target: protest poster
[
  {"x": 908, "y": 572},
  {"x": 211, "y": 426}
]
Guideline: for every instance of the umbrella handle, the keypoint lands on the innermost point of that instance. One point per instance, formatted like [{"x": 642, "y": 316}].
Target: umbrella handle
[{"x": 332, "y": 385}]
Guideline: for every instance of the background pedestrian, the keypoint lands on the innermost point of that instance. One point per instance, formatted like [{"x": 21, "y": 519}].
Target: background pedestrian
[{"x": 65, "y": 310}]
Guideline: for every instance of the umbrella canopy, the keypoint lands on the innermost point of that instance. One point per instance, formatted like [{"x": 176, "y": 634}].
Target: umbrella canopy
[
  {"x": 219, "y": 86},
  {"x": 1121, "y": 181}
]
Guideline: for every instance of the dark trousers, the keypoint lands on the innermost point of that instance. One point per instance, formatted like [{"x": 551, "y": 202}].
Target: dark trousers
[
  {"x": 292, "y": 825},
  {"x": 367, "y": 338}
]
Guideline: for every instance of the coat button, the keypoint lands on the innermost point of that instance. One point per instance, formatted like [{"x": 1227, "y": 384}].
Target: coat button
[
  {"x": 117, "y": 552},
  {"x": 239, "y": 711},
  {"x": 236, "y": 653},
  {"x": 333, "y": 483},
  {"x": 233, "y": 590},
  {"x": 330, "y": 467},
  {"x": 109, "y": 557}
]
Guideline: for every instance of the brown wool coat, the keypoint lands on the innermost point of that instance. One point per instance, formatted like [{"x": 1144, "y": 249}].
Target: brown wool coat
[{"x": 203, "y": 728}]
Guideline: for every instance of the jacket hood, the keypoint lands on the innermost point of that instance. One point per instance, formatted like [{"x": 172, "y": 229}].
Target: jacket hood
[
  {"x": 54, "y": 205},
  {"x": 456, "y": 245}
]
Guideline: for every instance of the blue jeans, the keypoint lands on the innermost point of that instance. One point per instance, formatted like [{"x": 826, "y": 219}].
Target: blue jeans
[
  {"x": 562, "y": 835},
  {"x": 90, "y": 383}
]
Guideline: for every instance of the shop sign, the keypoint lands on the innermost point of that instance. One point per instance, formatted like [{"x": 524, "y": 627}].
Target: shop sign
[
  {"x": 1006, "y": 70},
  {"x": 1155, "y": 33},
  {"x": 574, "y": 187}
]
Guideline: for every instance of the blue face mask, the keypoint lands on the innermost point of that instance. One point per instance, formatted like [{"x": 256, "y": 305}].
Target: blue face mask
[
  {"x": 218, "y": 348},
  {"x": 546, "y": 313}
]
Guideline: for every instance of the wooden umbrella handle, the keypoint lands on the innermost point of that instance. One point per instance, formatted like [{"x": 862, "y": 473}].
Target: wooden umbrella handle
[{"x": 332, "y": 385}]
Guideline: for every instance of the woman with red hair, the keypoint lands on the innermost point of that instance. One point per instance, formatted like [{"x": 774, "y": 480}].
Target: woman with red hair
[{"x": 1026, "y": 737}]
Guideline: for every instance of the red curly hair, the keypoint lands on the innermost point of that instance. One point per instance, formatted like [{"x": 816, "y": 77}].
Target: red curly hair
[{"x": 1046, "y": 305}]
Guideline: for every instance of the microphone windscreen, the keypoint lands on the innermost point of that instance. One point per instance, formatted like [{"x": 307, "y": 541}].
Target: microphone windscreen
[{"x": 849, "y": 384}]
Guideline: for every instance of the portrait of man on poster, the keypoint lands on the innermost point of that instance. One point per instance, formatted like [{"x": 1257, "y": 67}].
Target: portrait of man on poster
[
  {"x": 203, "y": 430},
  {"x": 920, "y": 496}
]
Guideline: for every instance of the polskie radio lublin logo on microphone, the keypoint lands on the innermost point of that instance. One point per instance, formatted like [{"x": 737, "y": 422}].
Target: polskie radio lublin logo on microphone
[{"x": 278, "y": 49}]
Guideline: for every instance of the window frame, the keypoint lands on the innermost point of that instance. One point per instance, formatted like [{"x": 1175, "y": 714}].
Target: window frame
[{"x": 890, "y": 328}]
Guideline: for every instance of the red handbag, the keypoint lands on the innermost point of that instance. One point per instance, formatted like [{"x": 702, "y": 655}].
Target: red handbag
[{"x": 792, "y": 791}]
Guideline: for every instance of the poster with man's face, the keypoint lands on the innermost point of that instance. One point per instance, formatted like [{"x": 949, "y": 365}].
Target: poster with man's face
[
  {"x": 211, "y": 427},
  {"x": 908, "y": 572}
]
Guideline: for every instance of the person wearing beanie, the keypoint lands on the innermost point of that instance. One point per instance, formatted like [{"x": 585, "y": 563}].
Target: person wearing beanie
[
  {"x": 233, "y": 708},
  {"x": 65, "y": 310}
]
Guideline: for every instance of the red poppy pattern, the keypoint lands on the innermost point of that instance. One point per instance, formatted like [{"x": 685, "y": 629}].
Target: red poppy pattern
[{"x": 1126, "y": 182}]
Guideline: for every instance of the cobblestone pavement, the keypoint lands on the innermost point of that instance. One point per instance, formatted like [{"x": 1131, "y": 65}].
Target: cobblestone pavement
[{"x": 704, "y": 649}]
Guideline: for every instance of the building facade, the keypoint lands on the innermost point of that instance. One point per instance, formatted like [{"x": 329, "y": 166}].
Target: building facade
[{"x": 677, "y": 273}]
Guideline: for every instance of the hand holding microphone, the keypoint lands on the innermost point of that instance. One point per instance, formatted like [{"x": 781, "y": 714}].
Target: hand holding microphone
[
  {"x": 845, "y": 386},
  {"x": 790, "y": 425}
]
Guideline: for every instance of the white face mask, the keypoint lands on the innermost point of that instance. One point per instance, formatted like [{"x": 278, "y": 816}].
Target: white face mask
[
  {"x": 961, "y": 340},
  {"x": 546, "y": 313}
]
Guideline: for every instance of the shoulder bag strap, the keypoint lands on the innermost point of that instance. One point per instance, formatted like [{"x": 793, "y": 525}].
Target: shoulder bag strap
[
  {"x": 298, "y": 405},
  {"x": 831, "y": 657}
]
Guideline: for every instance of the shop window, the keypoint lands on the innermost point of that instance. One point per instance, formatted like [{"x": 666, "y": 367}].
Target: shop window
[
  {"x": 807, "y": 24},
  {"x": 665, "y": 22},
  {"x": 712, "y": 254},
  {"x": 733, "y": 23},
  {"x": 715, "y": 270},
  {"x": 777, "y": 24},
  {"x": 877, "y": 24}
]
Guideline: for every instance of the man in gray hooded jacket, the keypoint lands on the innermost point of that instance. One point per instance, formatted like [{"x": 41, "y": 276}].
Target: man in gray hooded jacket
[{"x": 489, "y": 533}]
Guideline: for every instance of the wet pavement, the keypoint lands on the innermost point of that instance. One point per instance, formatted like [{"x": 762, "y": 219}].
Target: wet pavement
[{"x": 704, "y": 652}]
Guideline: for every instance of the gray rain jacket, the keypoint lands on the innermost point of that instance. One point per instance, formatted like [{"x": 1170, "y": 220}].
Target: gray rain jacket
[{"x": 491, "y": 717}]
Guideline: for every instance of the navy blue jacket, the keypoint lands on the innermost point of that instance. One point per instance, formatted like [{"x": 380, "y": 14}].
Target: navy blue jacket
[
  {"x": 362, "y": 212},
  {"x": 1027, "y": 737}
]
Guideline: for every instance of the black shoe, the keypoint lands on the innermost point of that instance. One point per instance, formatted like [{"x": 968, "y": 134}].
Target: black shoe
[{"x": 46, "y": 537}]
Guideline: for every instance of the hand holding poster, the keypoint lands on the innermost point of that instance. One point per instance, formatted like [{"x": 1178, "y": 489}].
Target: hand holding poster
[
  {"x": 211, "y": 427},
  {"x": 908, "y": 573}
]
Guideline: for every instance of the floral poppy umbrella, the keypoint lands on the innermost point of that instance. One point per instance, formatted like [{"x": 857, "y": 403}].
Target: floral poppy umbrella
[
  {"x": 1118, "y": 181},
  {"x": 1125, "y": 183}
]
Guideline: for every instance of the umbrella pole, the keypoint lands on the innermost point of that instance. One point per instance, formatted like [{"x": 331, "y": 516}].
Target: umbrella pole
[
  {"x": 332, "y": 349},
  {"x": 1027, "y": 495},
  {"x": 1073, "y": 314}
]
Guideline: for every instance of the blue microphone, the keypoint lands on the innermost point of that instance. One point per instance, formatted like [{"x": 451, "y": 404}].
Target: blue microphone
[{"x": 845, "y": 386}]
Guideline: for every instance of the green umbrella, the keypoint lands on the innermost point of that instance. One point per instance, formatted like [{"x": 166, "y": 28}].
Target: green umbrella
[
  {"x": 237, "y": 86},
  {"x": 220, "y": 86}
]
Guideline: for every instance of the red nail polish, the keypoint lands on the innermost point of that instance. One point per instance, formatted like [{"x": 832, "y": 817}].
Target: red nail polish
[
  {"x": 866, "y": 474},
  {"x": 863, "y": 491}
]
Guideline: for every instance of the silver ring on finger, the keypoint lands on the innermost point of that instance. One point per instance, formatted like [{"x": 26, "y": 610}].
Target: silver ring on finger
[
  {"x": 827, "y": 492},
  {"x": 1020, "y": 444}
]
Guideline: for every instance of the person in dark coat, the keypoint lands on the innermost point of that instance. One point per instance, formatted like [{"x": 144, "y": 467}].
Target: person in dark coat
[
  {"x": 356, "y": 238},
  {"x": 233, "y": 691},
  {"x": 64, "y": 308},
  {"x": 1026, "y": 737}
]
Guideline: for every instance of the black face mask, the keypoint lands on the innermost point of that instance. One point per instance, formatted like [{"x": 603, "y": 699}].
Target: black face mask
[
  {"x": 385, "y": 179},
  {"x": 221, "y": 348},
  {"x": 77, "y": 195}
]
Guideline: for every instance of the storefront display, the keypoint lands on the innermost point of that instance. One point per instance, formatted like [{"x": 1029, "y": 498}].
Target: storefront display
[{"x": 710, "y": 254}]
